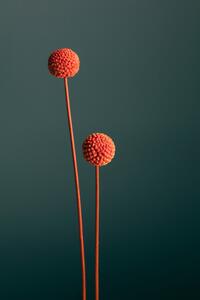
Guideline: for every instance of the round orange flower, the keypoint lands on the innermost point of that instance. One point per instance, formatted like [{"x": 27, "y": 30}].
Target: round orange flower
[
  {"x": 98, "y": 149},
  {"x": 63, "y": 63}
]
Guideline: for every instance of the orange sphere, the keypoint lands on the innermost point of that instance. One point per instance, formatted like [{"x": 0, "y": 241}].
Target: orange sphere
[
  {"x": 98, "y": 149},
  {"x": 63, "y": 63}
]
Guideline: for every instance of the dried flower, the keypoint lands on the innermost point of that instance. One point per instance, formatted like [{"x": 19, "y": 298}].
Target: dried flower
[
  {"x": 98, "y": 149},
  {"x": 63, "y": 63}
]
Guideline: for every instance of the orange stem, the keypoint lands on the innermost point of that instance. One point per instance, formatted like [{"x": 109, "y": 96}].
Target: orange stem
[
  {"x": 80, "y": 218},
  {"x": 97, "y": 235}
]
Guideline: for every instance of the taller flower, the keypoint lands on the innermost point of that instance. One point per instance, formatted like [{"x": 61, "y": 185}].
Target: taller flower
[{"x": 63, "y": 63}]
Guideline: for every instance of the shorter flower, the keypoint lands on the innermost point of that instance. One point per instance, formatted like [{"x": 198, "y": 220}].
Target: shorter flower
[
  {"x": 98, "y": 149},
  {"x": 63, "y": 63}
]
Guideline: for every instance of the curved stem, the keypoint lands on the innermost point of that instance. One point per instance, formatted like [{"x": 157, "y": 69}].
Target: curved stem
[
  {"x": 97, "y": 235},
  {"x": 80, "y": 218}
]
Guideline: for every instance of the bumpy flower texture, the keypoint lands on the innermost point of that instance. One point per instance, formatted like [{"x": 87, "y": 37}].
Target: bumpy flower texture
[
  {"x": 63, "y": 63},
  {"x": 98, "y": 149}
]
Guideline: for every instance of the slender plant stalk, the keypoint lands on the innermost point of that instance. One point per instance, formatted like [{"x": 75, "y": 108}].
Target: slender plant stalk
[
  {"x": 80, "y": 218},
  {"x": 97, "y": 235}
]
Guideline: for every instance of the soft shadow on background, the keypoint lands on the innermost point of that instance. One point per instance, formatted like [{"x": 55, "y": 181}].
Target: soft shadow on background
[{"x": 139, "y": 83}]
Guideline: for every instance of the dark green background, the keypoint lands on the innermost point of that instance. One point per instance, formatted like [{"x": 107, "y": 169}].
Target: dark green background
[{"x": 139, "y": 83}]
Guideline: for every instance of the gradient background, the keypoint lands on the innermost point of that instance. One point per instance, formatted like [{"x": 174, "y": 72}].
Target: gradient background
[{"x": 139, "y": 83}]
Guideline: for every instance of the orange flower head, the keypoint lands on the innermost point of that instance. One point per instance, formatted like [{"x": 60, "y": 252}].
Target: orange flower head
[
  {"x": 98, "y": 149},
  {"x": 63, "y": 63}
]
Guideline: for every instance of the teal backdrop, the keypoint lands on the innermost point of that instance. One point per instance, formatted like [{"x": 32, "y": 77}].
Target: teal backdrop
[{"x": 139, "y": 83}]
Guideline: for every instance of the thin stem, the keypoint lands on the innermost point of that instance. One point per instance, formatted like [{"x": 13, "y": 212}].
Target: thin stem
[
  {"x": 97, "y": 235},
  {"x": 80, "y": 218}
]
